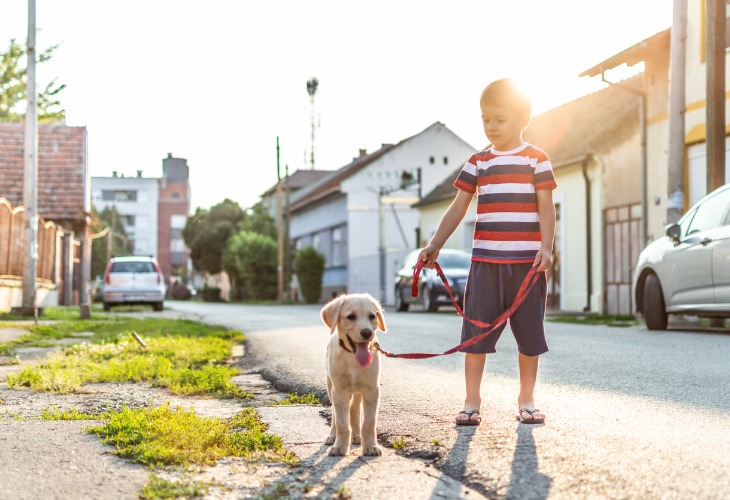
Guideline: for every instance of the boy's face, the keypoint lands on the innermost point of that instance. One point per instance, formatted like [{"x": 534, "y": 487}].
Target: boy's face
[{"x": 503, "y": 127}]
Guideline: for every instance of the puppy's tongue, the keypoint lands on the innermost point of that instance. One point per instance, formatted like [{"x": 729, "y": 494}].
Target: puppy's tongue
[{"x": 363, "y": 355}]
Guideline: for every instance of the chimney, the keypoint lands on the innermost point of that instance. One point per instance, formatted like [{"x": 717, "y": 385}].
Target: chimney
[
  {"x": 114, "y": 173},
  {"x": 363, "y": 152},
  {"x": 139, "y": 174}
]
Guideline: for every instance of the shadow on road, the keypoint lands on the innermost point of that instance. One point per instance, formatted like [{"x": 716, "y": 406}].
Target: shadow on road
[
  {"x": 455, "y": 463},
  {"x": 526, "y": 481}
]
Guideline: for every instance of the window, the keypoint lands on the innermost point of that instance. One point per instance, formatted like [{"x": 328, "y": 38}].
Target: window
[
  {"x": 431, "y": 160},
  {"x": 177, "y": 221},
  {"x": 118, "y": 195},
  {"x": 710, "y": 214},
  {"x": 127, "y": 220},
  {"x": 446, "y": 160},
  {"x": 177, "y": 245},
  {"x": 339, "y": 247},
  {"x": 175, "y": 194}
]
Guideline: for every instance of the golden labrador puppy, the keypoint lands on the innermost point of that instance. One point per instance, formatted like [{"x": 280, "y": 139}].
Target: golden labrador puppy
[{"x": 353, "y": 371}]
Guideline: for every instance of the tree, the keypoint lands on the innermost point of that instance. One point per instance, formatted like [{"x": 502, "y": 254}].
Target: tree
[
  {"x": 206, "y": 233},
  {"x": 13, "y": 77},
  {"x": 309, "y": 268},
  {"x": 259, "y": 221},
  {"x": 254, "y": 255},
  {"x": 103, "y": 248}
]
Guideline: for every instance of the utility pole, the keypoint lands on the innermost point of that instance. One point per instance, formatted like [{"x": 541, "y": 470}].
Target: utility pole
[
  {"x": 716, "y": 20},
  {"x": 287, "y": 256},
  {"x": 30, "y": 178},
  {"x": 677, "y": 105},
  {"x": 312, "y": 85},
  {"x": 279, "y": 230}
]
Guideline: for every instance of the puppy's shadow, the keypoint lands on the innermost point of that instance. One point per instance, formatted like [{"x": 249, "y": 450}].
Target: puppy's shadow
[
  {"x": 314, "y": 468},
  {"x": 455, "y": 463}
]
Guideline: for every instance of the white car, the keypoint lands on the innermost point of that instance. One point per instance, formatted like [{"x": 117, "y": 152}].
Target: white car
[
  {"x": 688, "y": 270},
  {"x": 133, "y": 280}
]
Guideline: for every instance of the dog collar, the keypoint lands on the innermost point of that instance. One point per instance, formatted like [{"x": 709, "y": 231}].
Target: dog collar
[{"x": 342, "y": 344}]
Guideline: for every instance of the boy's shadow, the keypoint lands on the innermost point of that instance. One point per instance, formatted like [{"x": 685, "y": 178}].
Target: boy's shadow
[{"x": 526, "y": 481}]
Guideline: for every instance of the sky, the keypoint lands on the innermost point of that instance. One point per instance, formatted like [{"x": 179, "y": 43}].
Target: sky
[{"x": 217, "y": 81}]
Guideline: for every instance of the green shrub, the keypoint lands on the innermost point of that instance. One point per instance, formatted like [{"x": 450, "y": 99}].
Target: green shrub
[
  {"x": 255, "y": 256},
  {"x": 309, "y": 268},
  {"x": 211, "y": 294}
]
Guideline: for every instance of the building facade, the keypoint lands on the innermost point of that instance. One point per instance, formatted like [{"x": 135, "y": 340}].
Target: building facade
[{"x": 153, "y": 211}]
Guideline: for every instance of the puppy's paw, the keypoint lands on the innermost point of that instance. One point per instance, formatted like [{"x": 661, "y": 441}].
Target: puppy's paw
[
  {"x": 372, "y": 451},
  {"x": 355, "y": 439},
  {"x": 338, "y": 451},
  {"x": 329, "y": 440}
]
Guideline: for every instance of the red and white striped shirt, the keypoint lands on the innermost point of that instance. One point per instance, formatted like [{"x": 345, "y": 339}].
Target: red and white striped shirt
[{"x": 507, "y": 229}]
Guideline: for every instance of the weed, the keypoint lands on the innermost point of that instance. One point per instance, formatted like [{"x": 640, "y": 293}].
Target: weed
[
  {"x": 297, "y": 399},
  {"x": 280, "y": 490},
  {"x": 74, "y": 414},
  {"x": 158, "y": 487},
  {"x": 175, "y": 436},
  {"x": 436, "y": 442},
  {"x": 184, "y": 365},
  {"x": 343, "y": 492},
  {"x": 399, "y": 443}
]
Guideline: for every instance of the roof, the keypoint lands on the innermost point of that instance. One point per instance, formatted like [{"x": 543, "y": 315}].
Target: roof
[
  {"x": 573, "y": 131},
  {"x": 62, "y": 172},
  {"x": 633, "y": 55},
  {"x": 330, "y": 185},
  {"x": 299, "y": 179}
]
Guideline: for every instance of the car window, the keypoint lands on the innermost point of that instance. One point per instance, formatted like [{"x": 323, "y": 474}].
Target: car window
[
  {"x": 454, "y": 260},
  {"x": 710, "y": 214},
  {"x": 132, "y": 267}
]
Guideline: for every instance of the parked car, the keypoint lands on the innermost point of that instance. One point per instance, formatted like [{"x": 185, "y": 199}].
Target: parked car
[
  {"x": 133, "y": 280},
  {"x": 688, "y": 270},
  {"x": 432, "y": 292}
]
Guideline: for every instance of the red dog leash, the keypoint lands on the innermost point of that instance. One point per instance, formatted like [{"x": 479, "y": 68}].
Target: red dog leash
[{"x": 527, "y": 284}]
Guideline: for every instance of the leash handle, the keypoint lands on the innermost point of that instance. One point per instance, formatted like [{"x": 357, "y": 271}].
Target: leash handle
[{"x": 527, "y": 284}]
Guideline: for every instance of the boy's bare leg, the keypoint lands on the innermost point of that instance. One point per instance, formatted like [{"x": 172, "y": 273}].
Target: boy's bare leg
[
  {"x": 473, "y": 372},
  {"x": 528, "y": 377}
]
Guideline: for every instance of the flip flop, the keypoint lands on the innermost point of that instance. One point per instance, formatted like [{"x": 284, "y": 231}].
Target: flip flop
[
  {"x": 532, "y": 420},
  {"x": 469, "y": 421}
]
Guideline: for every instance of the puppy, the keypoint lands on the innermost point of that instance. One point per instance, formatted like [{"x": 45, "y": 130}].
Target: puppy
[{"x": 353, "y": 372}]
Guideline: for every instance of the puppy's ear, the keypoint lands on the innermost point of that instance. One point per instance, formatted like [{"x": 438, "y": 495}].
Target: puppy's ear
[
  {"x": 331, "y": 312},
  {"x": 380, "y": 314}
]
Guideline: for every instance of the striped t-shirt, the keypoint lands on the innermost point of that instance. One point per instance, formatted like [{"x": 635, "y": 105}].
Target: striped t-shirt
[{"x": 507, "y": 229}]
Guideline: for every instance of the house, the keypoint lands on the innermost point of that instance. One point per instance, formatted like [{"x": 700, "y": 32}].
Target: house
[
  {"x": 594, "y": 145},
  {"x": 153, "y": 211},
  {"x": 360, "y": 216},
  {"x": 289, "y": 186},
  {"x": 63, "y": 206}
]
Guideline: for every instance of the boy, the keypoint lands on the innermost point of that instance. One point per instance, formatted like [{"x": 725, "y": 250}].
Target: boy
[{"x": 515, "y": 229}]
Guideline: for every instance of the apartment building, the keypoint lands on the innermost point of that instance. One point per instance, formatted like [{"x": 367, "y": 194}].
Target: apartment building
[{"x": 153, "y": 211}]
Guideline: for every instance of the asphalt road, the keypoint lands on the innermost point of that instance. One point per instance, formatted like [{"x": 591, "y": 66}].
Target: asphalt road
[{"x": 631, "y": 413}]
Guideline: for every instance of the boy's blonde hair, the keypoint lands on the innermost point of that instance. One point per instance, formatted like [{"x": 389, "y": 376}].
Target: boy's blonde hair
[{"x": 505, "y": 93}]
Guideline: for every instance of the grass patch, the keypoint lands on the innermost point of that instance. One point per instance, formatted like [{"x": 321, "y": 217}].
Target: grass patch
[
  {"x": 175, "y": 436},
  {"x": 183, "y": 365},
  {"x": 297, "y": 399},
  {"x": 74, "y": 414},
  {"x": 398, "y": 443},
  {"x": 158, "y": 487},
  {"x": 619, "y": 320}
]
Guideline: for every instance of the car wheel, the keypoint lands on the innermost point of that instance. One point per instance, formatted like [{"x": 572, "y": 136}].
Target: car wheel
[
  {"x": 400, "y": 304},
  {"x": 157, "y": 306},
  {"x": 655, "y": 313},
  {"x": 107, "y": 307},
  {"x": 428, "y": 302}
]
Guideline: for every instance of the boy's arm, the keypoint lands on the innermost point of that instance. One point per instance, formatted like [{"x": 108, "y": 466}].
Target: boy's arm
[
  {"x": 449, "y": 222},
  {"x": 546, "y": 214}
]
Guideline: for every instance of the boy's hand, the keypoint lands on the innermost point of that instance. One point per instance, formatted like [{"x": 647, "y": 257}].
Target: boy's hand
[
  {"x": 428, "y": 255},
  {"x": 543, "y": 260}
]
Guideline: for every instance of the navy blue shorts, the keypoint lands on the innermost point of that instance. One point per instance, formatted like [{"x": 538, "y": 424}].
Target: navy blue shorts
[{"x": 491, "y": 290}]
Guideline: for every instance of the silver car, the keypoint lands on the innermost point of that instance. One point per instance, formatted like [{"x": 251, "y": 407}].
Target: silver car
[
  {"x": 133, "y": 280},
  {"x": 688, "y": 270}
]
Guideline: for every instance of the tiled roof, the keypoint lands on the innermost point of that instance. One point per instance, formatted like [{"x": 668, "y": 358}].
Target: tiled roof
[
  {"x": 300, "y": 179},
  {"x": 61, "y": 170},
  {"x": 570, "y": 132}
]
